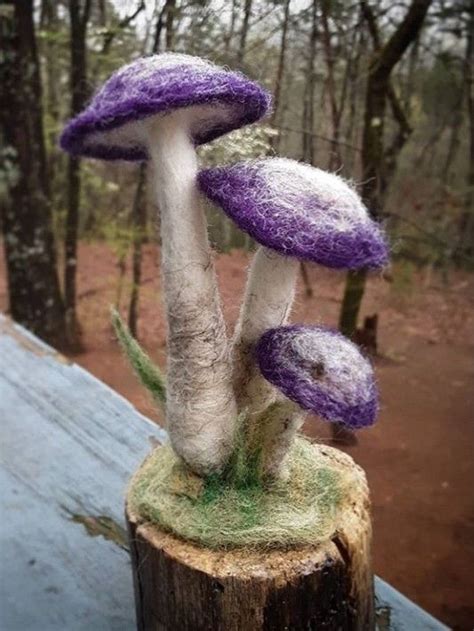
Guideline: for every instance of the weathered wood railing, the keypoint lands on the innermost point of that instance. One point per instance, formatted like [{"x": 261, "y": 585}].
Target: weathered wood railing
[{"x": 68, "y": 446}]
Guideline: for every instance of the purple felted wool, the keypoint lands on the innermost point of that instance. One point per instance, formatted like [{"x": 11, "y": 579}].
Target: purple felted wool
[
  {"x": 299, "y": 211},
  {"x": 109, "y": 128},
  {"x": 320, "y": 370},
  {"x": 158, "y": 108}
]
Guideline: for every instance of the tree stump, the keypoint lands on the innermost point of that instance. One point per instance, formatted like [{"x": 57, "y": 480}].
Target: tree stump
[{"x": 180, "y": 586}]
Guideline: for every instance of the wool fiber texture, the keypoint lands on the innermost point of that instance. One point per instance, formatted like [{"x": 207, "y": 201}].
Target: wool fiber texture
[
  {"x": 299, "y": 211},
  {"x": 267, "y": 303},
  {"x": 200, "y": 405},
  {"x": 277, "y": 429},
  {"x": 115, "y": 123},
  {"x": 147, "y": 372},
  {"x": 322, "y": 371},
  {"x": 304, "y": 508}
]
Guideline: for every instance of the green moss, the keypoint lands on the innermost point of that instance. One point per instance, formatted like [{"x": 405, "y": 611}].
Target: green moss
[{"x": 237, "y": 509}]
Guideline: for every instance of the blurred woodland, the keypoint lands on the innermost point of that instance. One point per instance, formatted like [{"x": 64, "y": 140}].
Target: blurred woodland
[{"x": 381, "y": 92}]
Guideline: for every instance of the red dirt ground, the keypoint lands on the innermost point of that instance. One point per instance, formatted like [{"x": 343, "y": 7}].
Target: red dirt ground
[{"x": 418, "y": 458}]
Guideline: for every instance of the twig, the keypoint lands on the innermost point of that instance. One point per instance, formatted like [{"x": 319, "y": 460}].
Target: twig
[{"x": 326, "y": 138}]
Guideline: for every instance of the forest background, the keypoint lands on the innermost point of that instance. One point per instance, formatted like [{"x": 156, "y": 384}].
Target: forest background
[{"x": 381, "y": 92}]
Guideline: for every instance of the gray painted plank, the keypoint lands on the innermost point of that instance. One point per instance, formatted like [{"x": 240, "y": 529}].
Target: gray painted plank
[
  {"x": 69, "y": 444},
  {"x": 395, "y": 612}
]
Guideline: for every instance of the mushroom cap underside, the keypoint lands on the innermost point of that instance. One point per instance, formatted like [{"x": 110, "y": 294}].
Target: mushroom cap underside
[{"x": 115, "y": 123}]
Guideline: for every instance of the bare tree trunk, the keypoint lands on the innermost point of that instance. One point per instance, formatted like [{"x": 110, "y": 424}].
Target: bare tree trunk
[
  {"x": 373, "y": 158},
  {"x": 33, "y": 284},
  {"x": 407, "y": 88},
  {"x": 430, "y": 146},
  {"x": 335, "y": 158},
  {"x": 308, "y": 117},
  {"x": 122, "y": 270},
  {"x": 244, "y": 32},
  {"x": 354, "y": 76},
  {"x": 139, "y": 227},
  {"x": 280, "y": 72},
  {"x": 393, "y": 151},
  {"x": 308, "y": 105},
  {"x": 78, "y": 80},
  {"x": 454, "y": 142},
  {"x": 170, "y": 9},
  {"x": 49, "y": 21},
  {"x": 378, "y": 89},
  {"x": 466, "y": 241},
  {"x": 103, "y": 12},
  {"x": 155, "y": 47},
  {"x": 337, "y": 124},
  {"x": 352, "y": 299},
  {"x": 111, "y": 33},
  {"x": 230, "y": 33}
]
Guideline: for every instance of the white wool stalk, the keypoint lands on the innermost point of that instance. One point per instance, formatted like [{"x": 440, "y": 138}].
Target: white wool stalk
[
  {"x": 282, "y": 423},
  {"x": 200, "y": 407},
  {"x": 267, "y": 303}
]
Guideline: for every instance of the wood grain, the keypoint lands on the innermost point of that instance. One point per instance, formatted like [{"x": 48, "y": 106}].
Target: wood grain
[{"x": 179, "y": 585}]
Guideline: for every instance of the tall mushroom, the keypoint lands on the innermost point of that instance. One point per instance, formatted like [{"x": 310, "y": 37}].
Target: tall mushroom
[
  {"x": 294, "y": 211},
  {"x": 159, "y": 108},
  {"x": 320, "y": 371}
]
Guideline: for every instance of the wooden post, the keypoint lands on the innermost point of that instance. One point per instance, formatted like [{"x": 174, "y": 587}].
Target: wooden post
[{"x": 182, "y": 586}]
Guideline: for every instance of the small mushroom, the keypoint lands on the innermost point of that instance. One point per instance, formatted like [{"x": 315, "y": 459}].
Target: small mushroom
[
  {"x": 159, "y": 108},
  {"x": 320, "y": 371},
  {"x": 296, "y": 212}
]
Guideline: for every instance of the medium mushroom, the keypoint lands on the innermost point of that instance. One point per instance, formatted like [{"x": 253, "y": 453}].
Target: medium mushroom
[
  {"x": 318, "y": 371},
  {"x": 294, "y": 211},
  {"x": 159, "y": 108}
]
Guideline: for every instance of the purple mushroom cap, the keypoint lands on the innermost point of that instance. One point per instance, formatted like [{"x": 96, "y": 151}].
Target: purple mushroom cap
[
  {"x": 299, "y": 211},
  {"x": 320, "y": 370},
  {"x": 109, "y": 128}
]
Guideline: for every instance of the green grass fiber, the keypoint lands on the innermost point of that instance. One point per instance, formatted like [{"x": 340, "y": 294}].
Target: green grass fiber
[
  {"x": 147, "y": 372},
  {"x": 236, "y": 508}
]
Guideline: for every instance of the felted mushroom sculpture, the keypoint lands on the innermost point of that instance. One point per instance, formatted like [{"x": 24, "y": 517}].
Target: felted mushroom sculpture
[
  {"x": 296, "y": 212},
  {"x": 159, "y": 108},
  {"x": 317, "y": 370}
]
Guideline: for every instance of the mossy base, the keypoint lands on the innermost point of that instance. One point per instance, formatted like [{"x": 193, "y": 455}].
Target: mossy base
[{"x": 304, "y": 508}]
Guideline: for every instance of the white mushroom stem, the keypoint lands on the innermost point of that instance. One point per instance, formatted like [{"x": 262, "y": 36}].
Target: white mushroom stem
[
  {"x": 281, "y": 421},
  {"x": 200, "y": 408},
  {"x": 267, "y": 303}
]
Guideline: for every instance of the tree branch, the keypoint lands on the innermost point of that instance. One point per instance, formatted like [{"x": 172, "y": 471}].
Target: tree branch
[
  {"x": 300, "y": 130},
  {"x": 398, "y": 112},
  {"x": 397, "y": 109},
  {"x": 86, "y": 14},
  {"x": 390, "y": 155},
  {"x": 126, "y": 21},
  {"x": 393, "y": 50},
  {"x": 158, "y": 30}
]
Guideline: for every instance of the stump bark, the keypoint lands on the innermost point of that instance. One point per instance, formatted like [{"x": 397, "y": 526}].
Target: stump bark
[{"x": 185, "y": 587}]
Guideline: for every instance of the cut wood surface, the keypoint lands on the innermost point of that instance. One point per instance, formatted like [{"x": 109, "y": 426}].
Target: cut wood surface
[
  {"x": 68, "y": 447},
  {"x": 182, "y": 586},
  {"x": 328, "y": 585}
]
